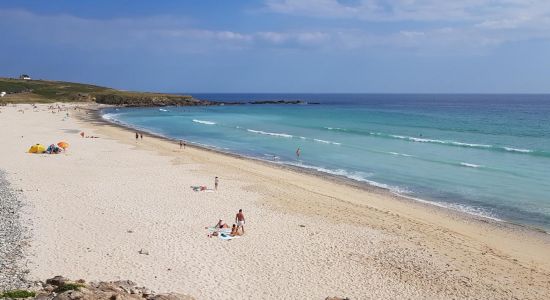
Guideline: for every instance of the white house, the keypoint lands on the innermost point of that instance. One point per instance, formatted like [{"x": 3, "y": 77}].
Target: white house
[{"x": 25, "y": 76}]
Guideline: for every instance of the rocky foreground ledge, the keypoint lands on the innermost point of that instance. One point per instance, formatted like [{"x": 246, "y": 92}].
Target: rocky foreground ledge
[{"x": 61, "y": 288}]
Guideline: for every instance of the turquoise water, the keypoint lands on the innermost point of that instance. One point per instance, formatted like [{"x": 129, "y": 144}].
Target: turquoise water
[{"x": 487, "y": 155}]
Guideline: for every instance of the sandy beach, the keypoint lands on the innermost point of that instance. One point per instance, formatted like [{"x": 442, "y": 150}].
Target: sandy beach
[{"x": 94, "y": 207}]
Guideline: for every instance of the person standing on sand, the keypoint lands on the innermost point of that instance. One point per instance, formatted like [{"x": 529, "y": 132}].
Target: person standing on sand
[
  {"x": 239, "y": 219},
  {"x": 216, "y": 181},
  {"x": 137, "y": 136},
  {"x": 141, "y": 134},
  {"x": 181, "y": 144}
]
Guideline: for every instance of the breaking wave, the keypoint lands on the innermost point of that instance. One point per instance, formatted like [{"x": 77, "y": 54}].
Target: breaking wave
[
  {"x": 445, "y": 142},
  {"x": 270, "y": 133},
  {"x": 204, "y": 122},
  {"x": 327, "y": 142},
  {"x": 400, "y": 154},
  {"x": 469, "y": 165}
]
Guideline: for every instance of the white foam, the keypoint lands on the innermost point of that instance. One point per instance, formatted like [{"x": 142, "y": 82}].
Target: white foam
[
  {"x": 458, "y": 207},
  {"x": 357, "y": 176},
  {"x": 161, "y": 109},
  {"x": 471, "y": 145},
  {"x": 423, "y": 140},
  {"x": 111, "y": 117},
  {"x": 204, "y": 122},
  {"x": 336, "y": 128},
  {"x": 469, "y": 165},
  {"x": 400, "y": 154},
  {"x": 517, "y": 150},
  {"x": 270, "y": 133},
  {"x": 327, "y": 142}
]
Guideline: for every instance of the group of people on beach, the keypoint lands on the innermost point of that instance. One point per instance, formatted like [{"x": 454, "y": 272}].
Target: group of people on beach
[{"x": 239, "y": 224}]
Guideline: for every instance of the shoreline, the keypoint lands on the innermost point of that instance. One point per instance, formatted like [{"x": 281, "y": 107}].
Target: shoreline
[
  {"x": 443, "y": 207},
  {"x": 98, "y": 205}
]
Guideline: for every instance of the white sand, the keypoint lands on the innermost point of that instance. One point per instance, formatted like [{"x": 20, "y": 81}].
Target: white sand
[{"x": 355, "y": 243}]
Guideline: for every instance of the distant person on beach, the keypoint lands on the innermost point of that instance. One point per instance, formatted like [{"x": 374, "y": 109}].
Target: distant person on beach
[
  {"x": 216, "y": 182},
  {"x": 298, "y": 151},
  {"x": 181, "y": 144},
  {"x": 239, "y": 219},
  {"x": 141, "y": 134},
  {"x": 137, "y": 136}
]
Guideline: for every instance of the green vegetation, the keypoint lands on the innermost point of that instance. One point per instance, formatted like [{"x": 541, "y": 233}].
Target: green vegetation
[
  {"x": 45, "y": 91},
  {"x": 69, "y": 287},
  {"x": 17, "y": 294}
]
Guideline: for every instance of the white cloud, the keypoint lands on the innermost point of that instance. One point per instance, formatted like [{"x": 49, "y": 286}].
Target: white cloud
[
  {"x": 415, "y": 10},
  {"x": 466, "y": 24},
  {"x": 167, "y": 33}
]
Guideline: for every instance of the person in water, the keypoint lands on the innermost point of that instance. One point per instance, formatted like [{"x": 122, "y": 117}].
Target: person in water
[{"x": 298, "y": 151}]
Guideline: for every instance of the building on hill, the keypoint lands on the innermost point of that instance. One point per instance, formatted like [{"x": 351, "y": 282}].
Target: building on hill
[{"x": 25, "y": 76}]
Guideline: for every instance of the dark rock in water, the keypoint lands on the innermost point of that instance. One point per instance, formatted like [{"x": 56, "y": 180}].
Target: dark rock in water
[{"x": 278, "y": 102}]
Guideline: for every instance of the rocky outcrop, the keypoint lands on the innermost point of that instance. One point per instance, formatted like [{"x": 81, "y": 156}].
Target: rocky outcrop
[
  {"x": 61, "y": 288},
  {"x": 145, "y": 99}
]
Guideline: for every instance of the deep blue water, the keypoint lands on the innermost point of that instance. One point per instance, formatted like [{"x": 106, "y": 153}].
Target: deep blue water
[{"x": 484, "y": 154}]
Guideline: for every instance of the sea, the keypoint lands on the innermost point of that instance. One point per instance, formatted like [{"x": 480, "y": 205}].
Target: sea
[{"x": 485, "y": 155}]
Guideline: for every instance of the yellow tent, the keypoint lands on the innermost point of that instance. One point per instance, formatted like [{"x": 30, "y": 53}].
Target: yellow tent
[{"x": 38, "y": 148}]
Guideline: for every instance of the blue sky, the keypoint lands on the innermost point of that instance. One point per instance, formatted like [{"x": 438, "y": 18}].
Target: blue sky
[{"x": 389, "y": 46}]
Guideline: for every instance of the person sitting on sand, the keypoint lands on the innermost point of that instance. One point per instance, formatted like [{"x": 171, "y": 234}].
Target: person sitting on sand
[
  {"x": 221, "y": 224},
  {"x": 234, "y": 231}
]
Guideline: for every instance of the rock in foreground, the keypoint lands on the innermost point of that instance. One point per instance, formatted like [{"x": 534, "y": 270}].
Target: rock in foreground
[{"x": 61, "y": 288}]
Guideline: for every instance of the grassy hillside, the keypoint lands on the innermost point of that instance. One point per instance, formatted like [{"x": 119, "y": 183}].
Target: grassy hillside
[{"x": 44, "y": 91}]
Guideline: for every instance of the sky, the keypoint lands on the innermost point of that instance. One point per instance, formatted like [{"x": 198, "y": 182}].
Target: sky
[{"x": 285, "y": 46}]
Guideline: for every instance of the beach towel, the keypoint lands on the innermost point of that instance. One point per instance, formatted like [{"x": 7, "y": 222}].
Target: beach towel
[
  {"x": 222, "y": 230},
  {"x": 199, "y": 188},
  {"x": 227, "y": 237}
]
